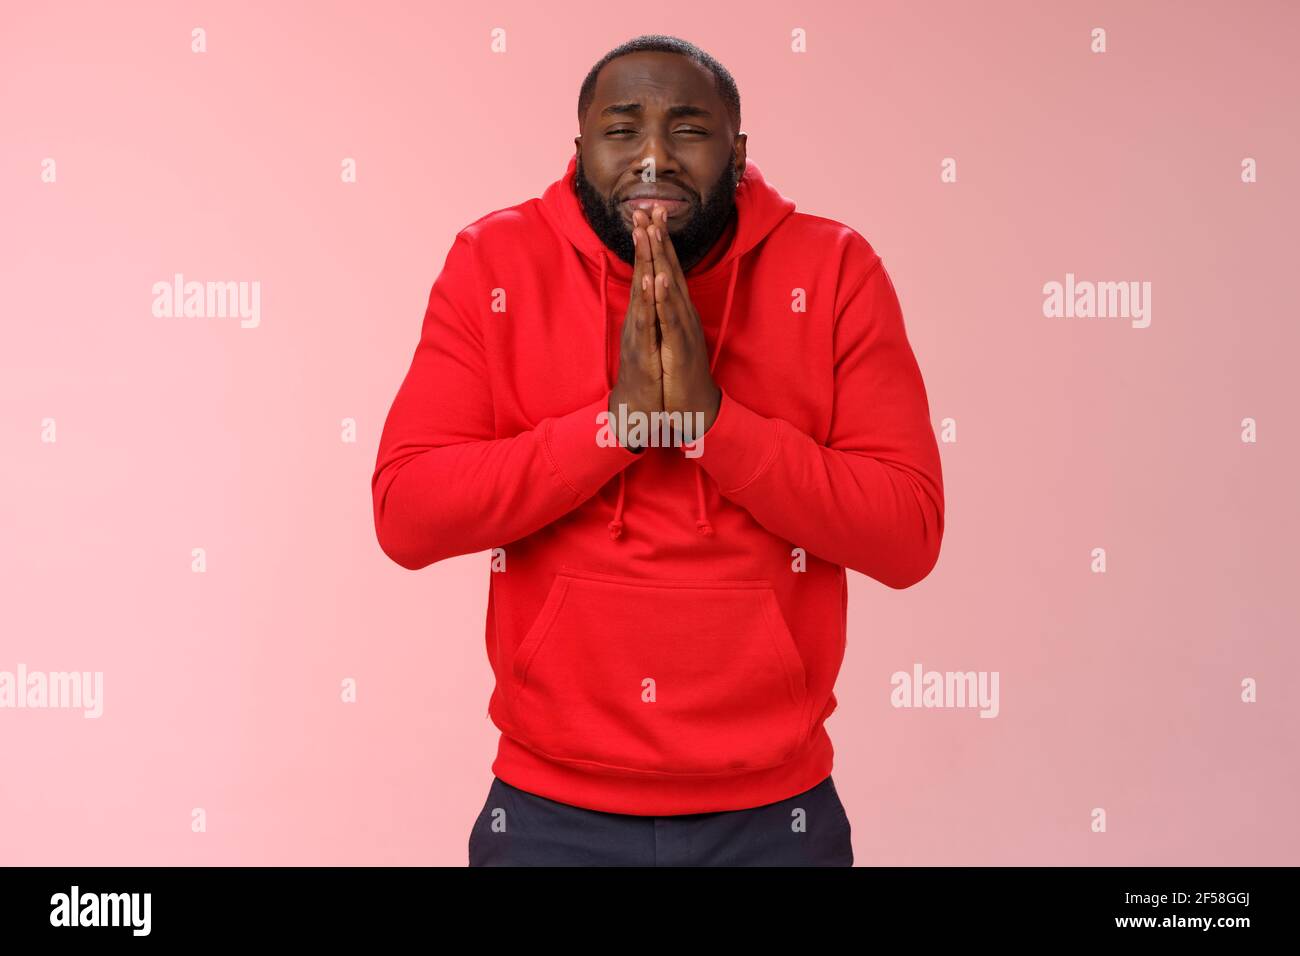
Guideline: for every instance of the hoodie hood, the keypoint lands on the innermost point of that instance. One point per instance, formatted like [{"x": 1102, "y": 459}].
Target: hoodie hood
[{"x": 759, "y": 209}]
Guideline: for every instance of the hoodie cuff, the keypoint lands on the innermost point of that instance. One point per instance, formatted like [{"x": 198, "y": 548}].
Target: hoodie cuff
[
  {"x": 739, "y": 446},
  {"x": 575, "y": 454}
]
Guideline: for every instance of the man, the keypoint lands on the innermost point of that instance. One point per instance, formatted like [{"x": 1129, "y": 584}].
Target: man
[{"x": 667, "y": 612}]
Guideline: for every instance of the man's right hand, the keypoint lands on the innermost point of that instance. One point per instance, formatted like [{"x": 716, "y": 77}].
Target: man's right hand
[{"x": 640, "y": 372}]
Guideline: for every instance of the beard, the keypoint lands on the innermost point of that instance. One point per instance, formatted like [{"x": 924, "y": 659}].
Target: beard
[{"x": 704, "y": 224}]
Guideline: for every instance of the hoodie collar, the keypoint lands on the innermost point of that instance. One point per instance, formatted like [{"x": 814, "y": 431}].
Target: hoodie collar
[{"x": 759, "y": 209}]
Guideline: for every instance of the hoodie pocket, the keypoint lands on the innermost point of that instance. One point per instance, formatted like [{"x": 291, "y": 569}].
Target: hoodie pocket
[{"x": 660, "y": 677}]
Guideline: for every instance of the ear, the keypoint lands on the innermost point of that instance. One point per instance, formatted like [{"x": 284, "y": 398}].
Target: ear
[{"x": 741, "y": 139}]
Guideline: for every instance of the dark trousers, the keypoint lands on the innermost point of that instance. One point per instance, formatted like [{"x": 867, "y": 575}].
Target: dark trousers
[{"x": 517, "y": 828}]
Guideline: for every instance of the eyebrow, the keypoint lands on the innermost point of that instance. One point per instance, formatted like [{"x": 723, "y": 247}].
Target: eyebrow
[{"x": 683, "y": 110}]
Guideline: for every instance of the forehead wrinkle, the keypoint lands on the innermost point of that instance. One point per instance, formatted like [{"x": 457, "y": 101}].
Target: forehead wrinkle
[
  {"x": 635, "y": 81},
  {"x": 681, "y": 109}
]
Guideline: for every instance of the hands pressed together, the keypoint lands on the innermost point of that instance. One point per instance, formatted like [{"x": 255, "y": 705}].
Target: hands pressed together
[{"x": 663, "y": 361}]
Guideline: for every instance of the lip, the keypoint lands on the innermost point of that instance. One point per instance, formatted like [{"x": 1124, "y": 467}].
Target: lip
[{"x": 674, "y": 207}]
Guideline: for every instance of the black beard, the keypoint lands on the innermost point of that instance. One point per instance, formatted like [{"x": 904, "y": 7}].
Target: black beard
[{"x": 706, "y": 222}]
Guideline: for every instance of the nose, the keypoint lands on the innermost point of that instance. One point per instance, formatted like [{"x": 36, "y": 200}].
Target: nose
[{"x": 657, "y": 155}]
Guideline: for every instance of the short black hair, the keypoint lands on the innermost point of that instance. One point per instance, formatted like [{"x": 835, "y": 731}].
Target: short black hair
[{"x": 659, "y": 43}]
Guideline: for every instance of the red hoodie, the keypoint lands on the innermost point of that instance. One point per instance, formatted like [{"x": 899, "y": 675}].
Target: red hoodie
[{"x": 665, "y": 630}]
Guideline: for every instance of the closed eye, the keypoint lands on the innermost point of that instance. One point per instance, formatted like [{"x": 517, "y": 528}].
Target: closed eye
[{"x": 615, "y": 132}]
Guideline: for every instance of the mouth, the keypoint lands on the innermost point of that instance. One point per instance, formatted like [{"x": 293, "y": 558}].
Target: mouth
[{"x": 673, "y": 207}]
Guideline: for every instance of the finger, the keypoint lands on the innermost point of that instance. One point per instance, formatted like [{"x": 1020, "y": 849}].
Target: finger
[
  {"x": 682, "y": 311},
  {"x": 670, "y": 298},
  {"x": 641, "y": 260},
  {"x": 640, "y": 237},
  {"x": 665, "y": 285},
  {"x": 644, "y": 331},
  {"x": 669, "y": 310},
  {"x": 675, "y": 267}
]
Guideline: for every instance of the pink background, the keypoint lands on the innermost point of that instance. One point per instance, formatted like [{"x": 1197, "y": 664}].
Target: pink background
[{"x": 1119, "y": 691}]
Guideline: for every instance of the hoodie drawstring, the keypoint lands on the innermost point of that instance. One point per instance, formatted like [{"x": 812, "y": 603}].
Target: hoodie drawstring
[{"x": 702, "y": 524}]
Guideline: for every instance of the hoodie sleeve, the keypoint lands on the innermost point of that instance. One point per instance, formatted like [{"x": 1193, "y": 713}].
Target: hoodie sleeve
[
  {"x": 444, "y": 484},
  {"x": 871, "y": 498}
]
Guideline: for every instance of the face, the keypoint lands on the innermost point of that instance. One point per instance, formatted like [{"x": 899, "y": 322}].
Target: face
[{"x": 662, "y": 107}]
